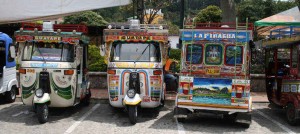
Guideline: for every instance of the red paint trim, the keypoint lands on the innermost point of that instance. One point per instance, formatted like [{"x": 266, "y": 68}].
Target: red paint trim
[
  {"x": 123, "y": 76},
  {"x": 146, "y": 83}
]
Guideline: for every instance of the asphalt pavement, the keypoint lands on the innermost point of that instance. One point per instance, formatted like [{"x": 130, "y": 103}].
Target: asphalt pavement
[{"x": 100, "y": 117}]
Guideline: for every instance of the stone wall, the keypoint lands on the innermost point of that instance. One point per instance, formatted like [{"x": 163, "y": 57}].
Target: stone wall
[
  {"x": 258, "y": 83},
  {"x": 98, "y": 80}
]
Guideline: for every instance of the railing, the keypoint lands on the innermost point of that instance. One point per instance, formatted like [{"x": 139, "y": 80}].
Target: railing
[
  {"x": 62, "y": 27},
  {"x": 217, "y": 25}
]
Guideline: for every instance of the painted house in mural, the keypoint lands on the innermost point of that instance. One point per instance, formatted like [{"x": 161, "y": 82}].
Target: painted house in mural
[{"x": 215, "y": 68}]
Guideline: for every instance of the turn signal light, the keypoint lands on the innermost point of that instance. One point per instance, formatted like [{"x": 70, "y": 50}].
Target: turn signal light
[
  {"x": 111, "y": 71},
  {"x": 22, "y": 71},
  {"x": 157, "y": 72},
  {"x": 69, "y": 72}
]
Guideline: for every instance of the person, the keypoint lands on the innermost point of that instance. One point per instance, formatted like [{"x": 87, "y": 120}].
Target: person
[{"x": 169, "y": 76}]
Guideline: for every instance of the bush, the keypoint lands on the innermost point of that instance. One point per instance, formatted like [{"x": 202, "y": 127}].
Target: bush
[
  {"x": 175, "y": 54},
  {"x": 95, "y": 60}
]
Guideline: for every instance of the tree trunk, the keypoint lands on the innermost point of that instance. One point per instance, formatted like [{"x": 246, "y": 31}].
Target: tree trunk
[{"x": 228, "y": 10}]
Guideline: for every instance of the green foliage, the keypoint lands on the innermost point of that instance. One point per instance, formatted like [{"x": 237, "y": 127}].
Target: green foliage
[
  {"x": 173, "y": 29},
  {"x": 175, "y": 54},
  {"x": 256, "y": 10},
  {"x": 209, "y": 14},
  {"x": 95, "y": 61},
  {"x": 87, "y": 17}
]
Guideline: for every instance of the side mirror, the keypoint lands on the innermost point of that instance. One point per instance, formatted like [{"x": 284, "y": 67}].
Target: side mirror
[
  {"x": 12, "y": 51},
  {"x": 102, "y": 49}
]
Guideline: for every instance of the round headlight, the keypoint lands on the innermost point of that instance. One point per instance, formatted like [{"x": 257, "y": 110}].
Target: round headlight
[
  {"x": 39, "y": 93},
  {"x": 131, "y": 93}
]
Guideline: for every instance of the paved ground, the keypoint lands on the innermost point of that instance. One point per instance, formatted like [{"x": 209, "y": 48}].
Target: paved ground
[{"x": 99, "y": 117}]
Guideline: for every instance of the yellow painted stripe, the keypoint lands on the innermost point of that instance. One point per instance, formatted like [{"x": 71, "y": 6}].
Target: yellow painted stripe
[
  {"x": 211, "y": 105},
  {"x": 132, "y": 103}
]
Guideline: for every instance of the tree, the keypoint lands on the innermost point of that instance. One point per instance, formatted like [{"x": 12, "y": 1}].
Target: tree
[
  {"x": 209, "y": 14},
  {"x": 259, "y": 9},
  {"x": 155, "y": 6},
  {"x": 87, "y": 17},
  {"x": 95, "y": 61}
]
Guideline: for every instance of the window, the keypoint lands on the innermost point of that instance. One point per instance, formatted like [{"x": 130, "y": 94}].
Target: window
[
  {"x": 135, "y": 52},
  {"x": 194, "y": 53},
  {"x": 48, "y": 52},
  {"x": 213, "y": 54},
  {"x": 234, "y": 55},
  {"x": 9, "y": 58}
]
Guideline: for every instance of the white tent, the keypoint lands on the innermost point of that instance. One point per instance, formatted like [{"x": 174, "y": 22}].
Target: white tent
[{"x": 13, "y": 11}]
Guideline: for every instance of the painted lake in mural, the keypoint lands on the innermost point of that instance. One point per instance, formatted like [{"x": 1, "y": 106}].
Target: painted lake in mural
[{"x": 212, "y": 91}]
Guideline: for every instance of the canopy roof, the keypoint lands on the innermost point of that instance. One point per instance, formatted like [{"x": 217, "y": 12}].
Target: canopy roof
[
  {"x": 289, "y": 17},
  {"x": 13, "y": 11}
]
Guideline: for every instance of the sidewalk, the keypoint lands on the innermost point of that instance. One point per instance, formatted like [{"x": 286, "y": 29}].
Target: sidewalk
[{"x": 102, "y": 94}]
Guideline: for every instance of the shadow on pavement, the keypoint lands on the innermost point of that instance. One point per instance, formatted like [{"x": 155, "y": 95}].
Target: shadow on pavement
[
  {"x": 279, "y": 115},
  {"x": 19, "y": 113}
]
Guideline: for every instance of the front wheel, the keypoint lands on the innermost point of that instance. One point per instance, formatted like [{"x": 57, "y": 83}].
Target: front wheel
[
  {"x": 42, "y": 112},
  {"x": 291, "y": 114},
  {"x": 10, "y": 96},
  {"x": 132, "y": 111}
]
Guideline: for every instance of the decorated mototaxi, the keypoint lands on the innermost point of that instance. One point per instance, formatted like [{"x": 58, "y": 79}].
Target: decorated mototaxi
[
  {"x": 214, "y": 75},
  {"x": 53, "y": 66},
  {"x": 136, "y": 55},
  {"x": 8, "y": 80}
]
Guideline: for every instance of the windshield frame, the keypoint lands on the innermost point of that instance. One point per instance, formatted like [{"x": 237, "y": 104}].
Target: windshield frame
[
  {"x": 149, "y": 45},
  {"x": 33, "y": 46}
]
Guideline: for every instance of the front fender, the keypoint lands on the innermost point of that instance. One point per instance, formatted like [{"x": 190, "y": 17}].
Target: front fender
[
  {"x": 11, "y": 83},
  {"x": 44, "y": 99},
  {"x": 132, "y": 101}
]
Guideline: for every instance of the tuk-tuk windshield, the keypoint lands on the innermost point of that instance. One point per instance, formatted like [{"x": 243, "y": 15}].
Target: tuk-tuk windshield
[
  {"x": 48, "y": 52},
  {"x": 145, "y": 52}
]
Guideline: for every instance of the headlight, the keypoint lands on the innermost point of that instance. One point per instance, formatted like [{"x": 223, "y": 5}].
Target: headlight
[
  {"x": 39, "y": 93},
  {"x": 131, "y": 93}
]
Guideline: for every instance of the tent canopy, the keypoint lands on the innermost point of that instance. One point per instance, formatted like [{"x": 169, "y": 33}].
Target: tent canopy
[
  {"x": 13, "y": 11},
  {"x": 289, "y": 17}
]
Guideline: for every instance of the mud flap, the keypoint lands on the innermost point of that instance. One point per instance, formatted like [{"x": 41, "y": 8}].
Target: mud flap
[
  {"x": 180, "y": 112},
  {"x": 244, "y": 118}
]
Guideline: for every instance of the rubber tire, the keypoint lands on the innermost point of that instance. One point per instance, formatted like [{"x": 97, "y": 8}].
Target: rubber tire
[
  {"x": 163, "y": 98},
  {"x": 132, "y": 112},
  {"x": 86, "y": 100},
  {"x": 181, "y": 120},
  {"x": 291, "y": 118},
  {"x": 10, "y": 96},
  {"x": 230, "y": 117},
  {"x": 42, "y": 112}
]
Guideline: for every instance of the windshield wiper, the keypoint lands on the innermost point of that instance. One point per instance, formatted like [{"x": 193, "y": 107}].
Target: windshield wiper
[
  {"x": 142, "y": 53},
  {"x": 41, "y": 54}
]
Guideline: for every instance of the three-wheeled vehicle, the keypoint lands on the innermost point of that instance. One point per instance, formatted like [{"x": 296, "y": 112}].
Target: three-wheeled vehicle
[
  {"x": 282, "y": 70},
  {"x": 8, "y": 81},
  {"x": 136, "y": 55},
  {"x": 53, "y": 66},
  {"x": 214, "y": 75}
]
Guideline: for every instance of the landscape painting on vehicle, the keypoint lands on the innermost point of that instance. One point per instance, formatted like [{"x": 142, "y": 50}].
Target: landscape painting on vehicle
[{"x": 212, "y": 91}]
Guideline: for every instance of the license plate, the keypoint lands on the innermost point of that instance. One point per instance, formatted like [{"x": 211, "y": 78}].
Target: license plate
[{"x": 213, "y": 71}]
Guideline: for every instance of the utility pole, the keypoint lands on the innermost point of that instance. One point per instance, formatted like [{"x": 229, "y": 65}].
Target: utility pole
[
  {"x": 181, "y": 13},
  {"x": 138, "y": 10}
]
